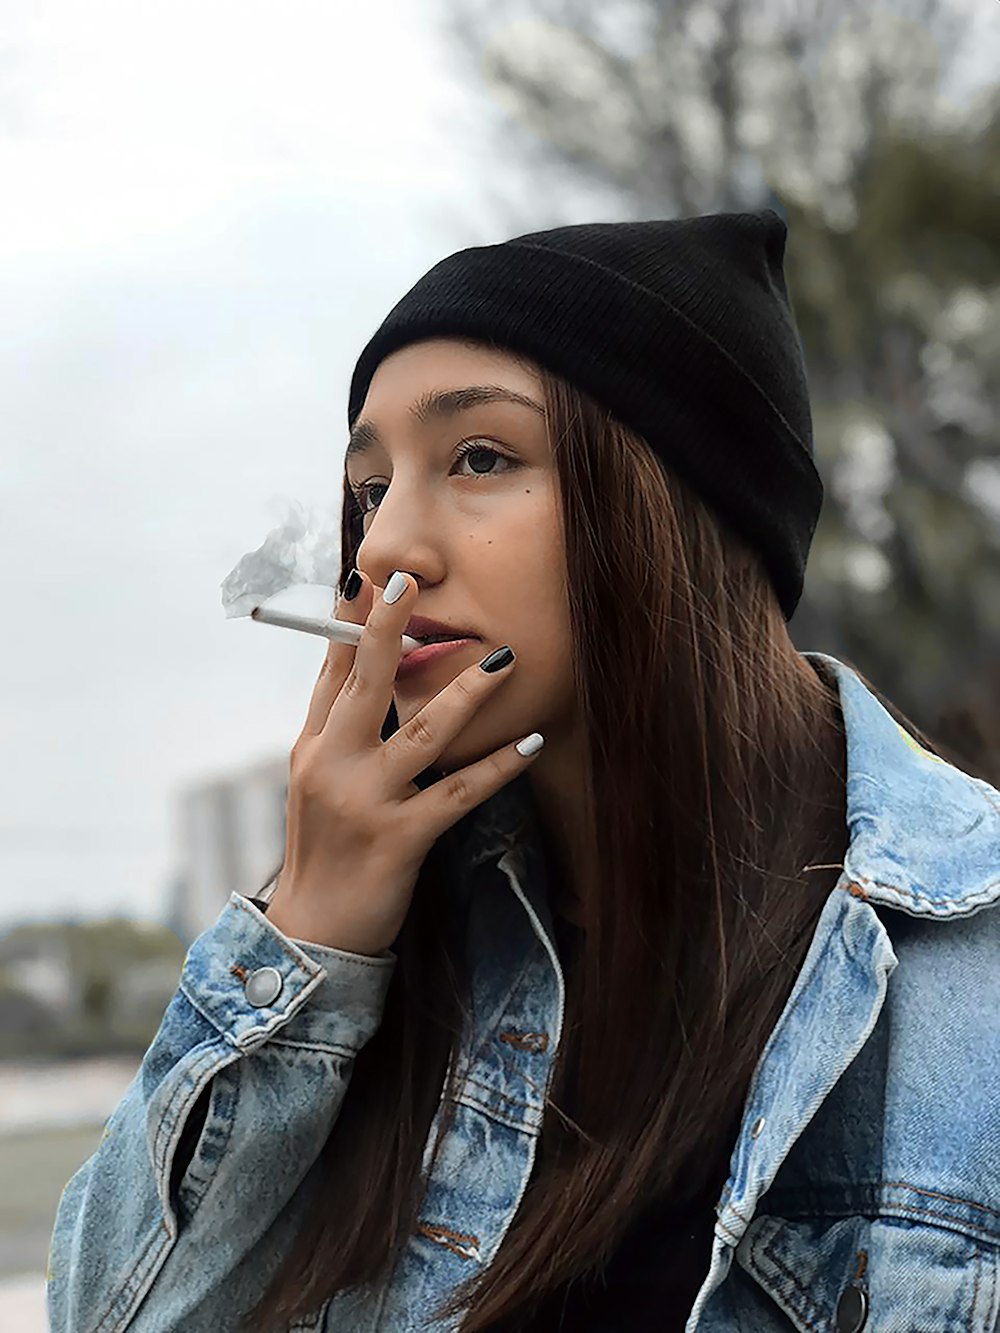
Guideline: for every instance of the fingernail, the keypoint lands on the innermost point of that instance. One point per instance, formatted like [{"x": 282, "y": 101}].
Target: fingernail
[
  {"x": 531, "y": 744},
  {"x": 498, "y": 659},
  {"x": 395, "y": 588},
  {"x": 353, "y": 585}
]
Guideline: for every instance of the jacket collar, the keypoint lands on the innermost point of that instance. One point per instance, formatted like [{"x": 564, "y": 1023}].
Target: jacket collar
[{"x": 924, "y": 836}]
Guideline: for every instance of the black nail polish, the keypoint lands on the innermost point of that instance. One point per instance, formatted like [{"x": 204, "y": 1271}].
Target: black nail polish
[
  {"x": 498, "y": 659},
  {"x": 353, "y": 585}
]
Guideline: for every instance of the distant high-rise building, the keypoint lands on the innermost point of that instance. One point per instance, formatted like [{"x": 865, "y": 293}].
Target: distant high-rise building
[{"x": 230, "y": 838}]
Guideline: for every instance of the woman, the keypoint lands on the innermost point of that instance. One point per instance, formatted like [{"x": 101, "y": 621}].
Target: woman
[{"x": 691, "y": 1023}]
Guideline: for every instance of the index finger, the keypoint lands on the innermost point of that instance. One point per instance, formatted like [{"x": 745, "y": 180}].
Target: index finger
[
  {"x": 361, "y": 708},
  {"x": 339, "y": 659}
]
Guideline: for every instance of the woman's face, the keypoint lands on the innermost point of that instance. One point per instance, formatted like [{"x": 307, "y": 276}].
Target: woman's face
[{"x": 481, "y": 534}]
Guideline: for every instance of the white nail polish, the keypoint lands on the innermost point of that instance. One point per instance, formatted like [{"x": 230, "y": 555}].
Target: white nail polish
[
  {"x": 531, "y": 744},
  {"x": 395, "y": 588}
]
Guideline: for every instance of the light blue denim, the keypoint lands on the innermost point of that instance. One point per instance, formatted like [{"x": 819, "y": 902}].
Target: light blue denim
[{"x": 869, "y": 1149}]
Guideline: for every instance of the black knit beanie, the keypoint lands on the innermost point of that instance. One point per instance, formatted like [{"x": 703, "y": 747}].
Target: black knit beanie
[{"x": 682, "y": 329}]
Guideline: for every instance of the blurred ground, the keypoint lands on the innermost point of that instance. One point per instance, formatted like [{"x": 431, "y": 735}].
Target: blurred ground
[
  {"x": 51, "y": 1120},
  {"x": 22, "y": 1305},
  {"x": 34, "y": 1167},
  {"x": 63, "y": 1094}
]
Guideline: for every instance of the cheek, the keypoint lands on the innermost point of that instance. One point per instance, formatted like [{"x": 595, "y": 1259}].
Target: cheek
[
  {"x": 538, "y": 520},
  {"x": 526, "y": 549},
  {"x": 528, "y": 593}
]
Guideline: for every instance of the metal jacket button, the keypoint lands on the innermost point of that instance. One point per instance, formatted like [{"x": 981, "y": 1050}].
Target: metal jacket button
[
  {"x": 852, "y": 1310},
  {"x": 263, "y": 987}
]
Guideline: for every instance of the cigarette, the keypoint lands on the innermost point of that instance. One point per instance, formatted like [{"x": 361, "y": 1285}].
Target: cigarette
[{"x": 341, "y": 631}]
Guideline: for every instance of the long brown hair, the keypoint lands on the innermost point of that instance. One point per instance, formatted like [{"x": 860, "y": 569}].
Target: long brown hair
[{"x": 717, "y": 808}]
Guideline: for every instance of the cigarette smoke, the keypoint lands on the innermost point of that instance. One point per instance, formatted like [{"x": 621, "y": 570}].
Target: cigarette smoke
[{"x": 305, "y": 548}]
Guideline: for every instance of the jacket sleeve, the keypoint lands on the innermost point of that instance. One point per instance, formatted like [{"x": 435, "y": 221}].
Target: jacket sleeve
[{"x": 243, "y": 1095}]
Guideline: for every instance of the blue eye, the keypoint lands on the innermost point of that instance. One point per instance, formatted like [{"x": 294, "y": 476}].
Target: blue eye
[{"x": 362, "y": 491}]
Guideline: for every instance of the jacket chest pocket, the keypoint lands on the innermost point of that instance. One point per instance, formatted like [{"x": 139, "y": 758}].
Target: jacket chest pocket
[{"x": 874, "y": 1275}]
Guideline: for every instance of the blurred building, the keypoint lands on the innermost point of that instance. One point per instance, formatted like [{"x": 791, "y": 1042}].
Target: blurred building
[{"x": 230, "y": 838}]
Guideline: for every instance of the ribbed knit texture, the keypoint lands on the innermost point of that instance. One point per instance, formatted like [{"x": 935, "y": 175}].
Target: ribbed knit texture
[{"x": 682, "y": 329}]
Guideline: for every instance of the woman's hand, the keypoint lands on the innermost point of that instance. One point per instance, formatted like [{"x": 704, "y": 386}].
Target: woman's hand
[{"x": 359, "y": 828}]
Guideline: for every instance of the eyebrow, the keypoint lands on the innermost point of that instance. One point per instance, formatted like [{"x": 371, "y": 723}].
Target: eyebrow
[{"x": 440, "y": 404}]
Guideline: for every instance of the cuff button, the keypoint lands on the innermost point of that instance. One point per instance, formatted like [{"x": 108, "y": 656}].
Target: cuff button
[
  {"x": 852, "y": 1310},
  {"x": 263, "y": 987}
]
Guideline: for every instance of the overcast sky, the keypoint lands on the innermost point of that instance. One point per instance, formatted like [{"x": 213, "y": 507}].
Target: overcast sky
[
  {"x": 208, "y": 208},
  {"x": 209, "y": 205}
]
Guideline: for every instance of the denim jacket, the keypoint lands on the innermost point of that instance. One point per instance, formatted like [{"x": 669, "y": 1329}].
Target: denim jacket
[{"x": 864, "y": 1183}]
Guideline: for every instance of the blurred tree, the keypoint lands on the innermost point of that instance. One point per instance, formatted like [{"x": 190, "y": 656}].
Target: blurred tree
[
  {"x": 24, "y": 1015},
  {"x": 900, "y": 317},
  {"x": 831, "y": 112},
  {"x": 97, "y": 995},
  {"x": 79, "y": 988}
]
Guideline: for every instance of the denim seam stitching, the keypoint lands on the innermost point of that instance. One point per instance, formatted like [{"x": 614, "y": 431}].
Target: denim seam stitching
[
  {"x": 323, "y": 1048},
  {"x": 807, "y": 1310},
  {"x": 817, "y": 968},
  {"x": 879, "y": 1185},
  {"x": 985, "y": 894},
  {"x": 172, "y": 1112},
  {"x": 224, "y": 1138},
  {"x": 496, "y": 1113},
  {"x": 505, "y": 1096},
  {"x": 134, "y": 1283}
]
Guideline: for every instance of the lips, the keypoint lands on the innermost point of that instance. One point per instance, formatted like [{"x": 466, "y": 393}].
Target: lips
[
  {"x": 425, "y": 629},
  {"x": 414, "y": 662}
]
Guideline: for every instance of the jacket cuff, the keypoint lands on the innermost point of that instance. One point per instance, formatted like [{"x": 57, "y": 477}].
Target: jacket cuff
[{"x": 327, "y": 998}]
